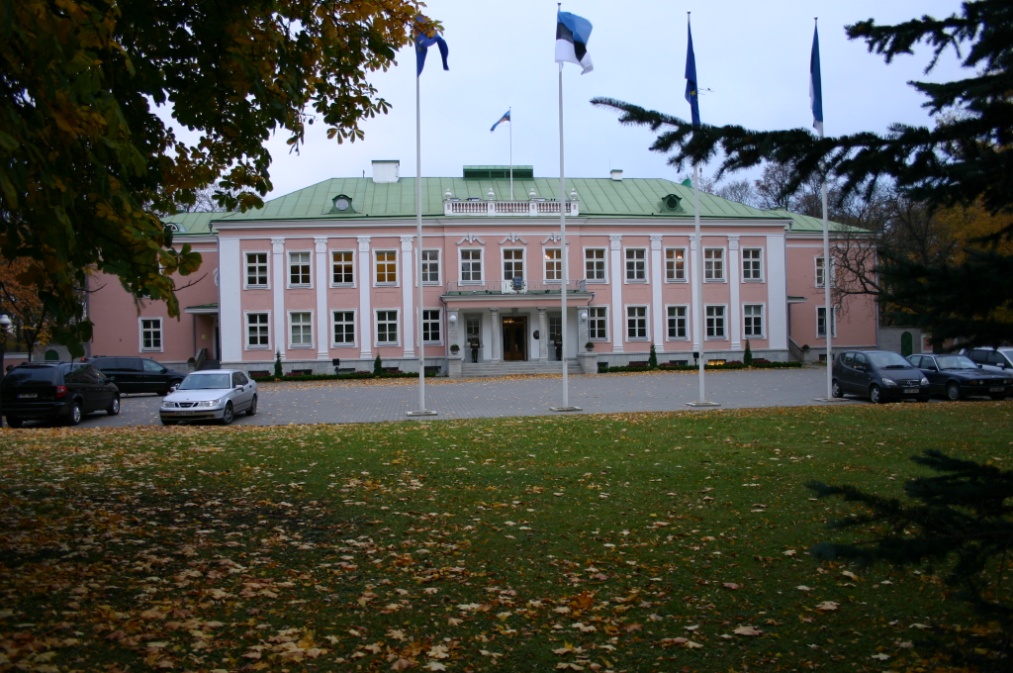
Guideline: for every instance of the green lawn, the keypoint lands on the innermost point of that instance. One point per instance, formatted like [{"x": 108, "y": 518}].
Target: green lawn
[{"x": 640, "y": 542}]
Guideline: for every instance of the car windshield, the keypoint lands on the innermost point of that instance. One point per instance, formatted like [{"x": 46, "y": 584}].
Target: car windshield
[
  {"x": 888, "y": 360},
  {"x": 206, "y": 382},
  {"x": 955, "y": 362}
]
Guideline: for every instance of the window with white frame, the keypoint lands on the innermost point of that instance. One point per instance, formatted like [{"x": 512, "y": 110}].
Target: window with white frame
[
  {"x": 300, "y": 329},
  {"x": 553, "y": 265},
  {"x": 343, "y": 327},
  {"x": 597, "y": 323},
  {"x": 299, "y": 274},
  {"x": 678, "y": 322},
  {"x": 636, "y": 323},
  {"x": 513, "y": 264},
  {"x": 752, "y": 320},
  {"x": 385, "y": 267},
  {"x": 342, "y": 268},
  {"x": 714, "y": 264},
  {"x": 386, "y": 328},
  {"x": 715, "y": 323},
  {"x": 675, "y": 265},
  {"x": 151, "y": 334},
  {"x": 258, "y": 331},
  {"x": 256, "y": 269},
  {"x": 431, "y": 267},
  {"x": 820, "y": 272},
  {"x": 636, "y": 265},
  {"x": 471, "y": 265},
  {"x": 594, "y": 265},
  {"x": 752, "y": 264},
  {"x": 821, "y": 322},
  {"x": 431, "y": 321}
]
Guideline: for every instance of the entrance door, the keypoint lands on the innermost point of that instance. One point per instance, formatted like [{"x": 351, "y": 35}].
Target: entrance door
[{"x": 515, "y": 341}]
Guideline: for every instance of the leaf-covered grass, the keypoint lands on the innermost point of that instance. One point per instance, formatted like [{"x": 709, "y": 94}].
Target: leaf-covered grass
[{"x": 640, "y": 542}]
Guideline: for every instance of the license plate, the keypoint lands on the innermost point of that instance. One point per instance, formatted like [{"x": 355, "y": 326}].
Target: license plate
[
  {"x": 27, "y": 396},
  {"x": 911, "y": 391},
  {"x": 996, "y": 389}
]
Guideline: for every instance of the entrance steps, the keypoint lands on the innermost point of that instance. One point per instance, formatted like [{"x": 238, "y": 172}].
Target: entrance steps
[{"x": 482, "y": 369}]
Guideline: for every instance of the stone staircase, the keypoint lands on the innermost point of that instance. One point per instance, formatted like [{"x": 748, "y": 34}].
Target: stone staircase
[{"x": 481, "y": 369}]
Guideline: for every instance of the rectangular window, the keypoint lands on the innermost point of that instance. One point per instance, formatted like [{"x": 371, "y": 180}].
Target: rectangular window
[
  {"x": 257, "y": 331},
  {"x": 344, "y": 328},
  {"x": 553, "y": 265},
  {"x": 597, "y": 323},
  {"x": 752, "y": 264},
  {"x": 151, "y": 334},
  {"x": 752, "y": 320},
  {"x": 386, "y": 328},
  {"x": 678, "y": 324},
  {"x": 431, "y": 320},
  {"x": 636, "y": 323},
  {"x": 386, "y": 267},
  {"x": 256, "y": 269},
  {"x": 821, "y": 322},
  {"x": 715, "y": 322},
  {"x": 713, "y": 264},
  {"x": 675, "y": 265},
  {"x": 820, "y": 269},
  {"x": 471, "y": 265},
  {"x": 299, "y": 269},
  {"x": 431, "y": 267},
  {"x": 300, "y": 329},
  {"x": 342, "y": 268},
  {"x": 636, "y": 265},
  {"x": 594, "y": 265},
  {"x": 513, "y": 265}
]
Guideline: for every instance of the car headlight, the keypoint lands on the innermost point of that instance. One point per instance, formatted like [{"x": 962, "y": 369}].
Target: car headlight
[
  {"x": 209, "y": 403},
  {"x": 924, "y": 381},
  {"x": 889, "y": 382}
]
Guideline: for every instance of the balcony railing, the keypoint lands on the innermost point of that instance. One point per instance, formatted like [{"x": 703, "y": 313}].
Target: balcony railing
[
  {"x": 531, "y": 208},
  {"x": 515, "y": 287}
]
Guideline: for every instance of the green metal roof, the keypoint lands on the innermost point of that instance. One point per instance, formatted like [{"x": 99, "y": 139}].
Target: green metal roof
[
  {"x": 193, "y": 223},
  {"x": 805, "y": 223}
]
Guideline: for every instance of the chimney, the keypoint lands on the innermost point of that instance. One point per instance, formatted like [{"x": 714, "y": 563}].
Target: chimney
[
  {"x": 386, "y": 170},
  {"x": 617, "y": 174}
]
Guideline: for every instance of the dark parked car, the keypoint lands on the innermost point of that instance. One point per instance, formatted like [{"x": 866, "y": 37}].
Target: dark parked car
[
  {"x": 879, "y": 375},
  {"x": 57, "y": 391},
  {"x": 957, "y": 376},
  {"x": 138, "y": 375}
]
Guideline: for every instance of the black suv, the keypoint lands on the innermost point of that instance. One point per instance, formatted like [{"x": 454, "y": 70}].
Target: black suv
[
  {"x": 56, "y": 391},
  {"x": 137, "y": 375}
]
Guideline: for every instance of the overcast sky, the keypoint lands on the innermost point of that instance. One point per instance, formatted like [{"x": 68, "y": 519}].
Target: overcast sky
[{"x": 752, "y": 66}]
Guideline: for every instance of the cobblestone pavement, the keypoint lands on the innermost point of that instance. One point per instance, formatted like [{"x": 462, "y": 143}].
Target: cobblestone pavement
[{"x": 401, "y": 399}]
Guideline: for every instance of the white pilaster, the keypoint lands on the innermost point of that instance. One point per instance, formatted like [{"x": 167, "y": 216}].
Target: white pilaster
[
  {"x": 365, "y": 303},
  {"x": 230, "y": 304},
  {"x": 320, "y": 284},
  {"x": 279, "y": 268},
  {"x": 734, "y": 280},
  {"x": 777, "y": 292},
  {"x": 616, "y": 279},
  {"x": 657, "y": 307},
  {"x": 408, "y": 281}
]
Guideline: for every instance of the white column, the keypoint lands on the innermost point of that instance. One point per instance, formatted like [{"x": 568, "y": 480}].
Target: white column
[
  {"x": 617, "y": 272},
  {"x": 777, "y": 292},
  {"x": 734, "y": 286},
  {"x": 279, "y": 269},
  {"x": 696, "y": 309},
  {"x": 322, "y": 268},
  {"x": 496, "y": 336},
  {"x": 657, "y": 309},
  {"x": 543, "y": 331},
  {"x": 230, "y": 299},
  {"x": 409, "y": 310},
  {"x": 365, "y": 304}
]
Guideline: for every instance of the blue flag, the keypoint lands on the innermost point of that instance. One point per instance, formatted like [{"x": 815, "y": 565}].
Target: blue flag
[
  {"x": 504, "y": 118},
  {"x": 692, "y": 90},
  {"x": 572, "y": 34},
  {"x": 422, "y": 44},
  {"x": 816, "y": 84}
]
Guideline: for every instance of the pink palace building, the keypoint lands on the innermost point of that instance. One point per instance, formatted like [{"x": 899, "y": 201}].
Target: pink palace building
[{"x": 325, "y": 278}]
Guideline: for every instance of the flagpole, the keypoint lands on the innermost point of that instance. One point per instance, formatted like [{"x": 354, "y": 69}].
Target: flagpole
[
  {"x": 816, "y": 86},
  {"x": 509, "y": 112}
]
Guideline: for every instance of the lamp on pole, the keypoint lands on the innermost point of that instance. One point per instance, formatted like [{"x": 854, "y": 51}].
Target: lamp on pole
[{"x": 5, "y": 325}]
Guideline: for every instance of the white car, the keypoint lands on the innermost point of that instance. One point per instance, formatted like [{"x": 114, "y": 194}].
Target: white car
[{"x": 210, "y": 395}]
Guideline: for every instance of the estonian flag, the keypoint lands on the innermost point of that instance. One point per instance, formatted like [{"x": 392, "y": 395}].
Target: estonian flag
[
  {"x": 816, "y": 84},
  {"x": 422, "y": 44},
  {"x": 572, "y": 34},
  {"x": 692, "y": 90},
  {"x": 504, "y": 118}
]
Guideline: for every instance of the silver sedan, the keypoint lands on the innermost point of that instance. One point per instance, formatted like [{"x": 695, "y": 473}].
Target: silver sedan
[{"x": 210, "y": 395}]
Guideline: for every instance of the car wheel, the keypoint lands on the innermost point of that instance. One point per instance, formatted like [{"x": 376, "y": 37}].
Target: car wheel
[
  {"x": 252, "y": 411},
  {"x": 952, "y": 391},
  {"x": 875, "y": 395},
  {"x": 998, "y": 396},
  {"x": 76, "y": 414},
  {"x": 229, "y": 414},
  {"x": 114, "y": 406},
  {"x": 835, "y": 389},
  {"x": 14, "y": 422}
]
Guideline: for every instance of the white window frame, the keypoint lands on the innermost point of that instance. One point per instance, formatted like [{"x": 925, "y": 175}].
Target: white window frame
[
  {"x": 752, "y": 267},
  {"x": 675, "y": 266},
  {"x": 821, "y": 322},
  {"x": 431, "y": 266},
  {"x": 391, "y": 267},
  {"x": 819, "y": 267},
  {"x": 432, "y": 326},
  {"x": 639, "y": 314},
  {"x": 470, "y": 268},
  {"x": 749, "y": 330},
  {"x": 597, "y": 323},
  {"x": 595, "y": 267},
  {"x": 265, "y": 264},
  {"x": 680, "y": 314},
  {"x": 715, "y": 315},
  {"x": 150, "y": 331},
  {"x": 553, "y": 265},
  {"x": 304, "y": 327},
  {"x": 349, "y": 263},
  {"x": 713, "y": 265},
  {"x": 391, "y": 317},
  {"x": 514, "y": 263},
  {"x": 635, "y": 260},
  {"x": 305, "y": 279},
  {"x": 343, "y": 323},
  {"x": 265, "y": 326}
]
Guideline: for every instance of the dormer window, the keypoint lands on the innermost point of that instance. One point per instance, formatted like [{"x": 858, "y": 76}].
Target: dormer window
[{"x": 342, "y": 203}]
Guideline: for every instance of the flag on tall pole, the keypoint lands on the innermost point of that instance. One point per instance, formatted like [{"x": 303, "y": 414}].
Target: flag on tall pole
[
  {"x": 572, "y": 34},
  {"x": 504, "y": 118},
  {"x": 816, "y": 84},
  {"x": 692, "y": 90},
  {"x": 422, "y": 44},
  {"x": 816, "y": 103}
]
